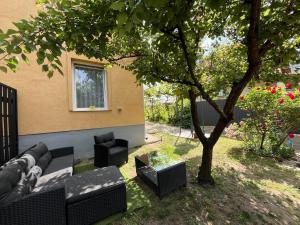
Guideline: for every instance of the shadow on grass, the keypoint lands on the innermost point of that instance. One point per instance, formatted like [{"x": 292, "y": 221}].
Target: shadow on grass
[
  {"x": 262, "y": 168},
  {"x": 183, "y": 148},
  {"x": 236, "y": 199},
  {"x": 137, "y": 200}
]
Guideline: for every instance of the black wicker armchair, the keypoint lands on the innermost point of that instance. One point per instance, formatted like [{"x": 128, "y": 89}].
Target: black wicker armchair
[{"x": 110, "y": 151}]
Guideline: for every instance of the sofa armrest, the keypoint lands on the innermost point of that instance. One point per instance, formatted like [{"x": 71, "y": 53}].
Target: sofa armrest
[
  {"x": 44, "y": 207},
  {"x": 62, "y": 151},
  {"x": 122, "y": 142},
  {"x": 100, "y": 155}
]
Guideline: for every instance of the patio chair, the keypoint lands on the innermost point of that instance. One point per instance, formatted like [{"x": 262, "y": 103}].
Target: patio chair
[{"x": 110, "y": 151}]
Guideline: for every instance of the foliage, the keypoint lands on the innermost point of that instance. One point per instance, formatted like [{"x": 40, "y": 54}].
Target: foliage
[
  {"x": 182, "y": 114},
  {"x": 149, "y": 30},
  {"x": 226, "y": 63},
  {"x": 164, "y": 40},
  {"x": 165, "y": 103},
  {"x": 233, "y": 131},
  {"x": 274, "y": 114}
]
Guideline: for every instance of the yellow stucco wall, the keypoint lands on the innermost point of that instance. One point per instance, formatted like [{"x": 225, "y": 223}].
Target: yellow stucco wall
[{"x": 45, "y": 105}]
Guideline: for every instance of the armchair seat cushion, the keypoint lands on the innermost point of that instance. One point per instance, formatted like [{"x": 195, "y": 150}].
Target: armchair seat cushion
[
  {"x": 59, "y": 163},
  {"x": 117, "y": 150},
  {"x": 91, "y": 183}
]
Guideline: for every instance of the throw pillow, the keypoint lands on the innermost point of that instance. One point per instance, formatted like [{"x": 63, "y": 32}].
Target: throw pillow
[
  {"x": 40, "y": 149},
  {"x": 30, "y": 161},
  {"x": 20, "y": 190},
  {"x": 44, "y": 161},
  {"x": 12, "y": 173},
  {"x": 33, "y": 175}
]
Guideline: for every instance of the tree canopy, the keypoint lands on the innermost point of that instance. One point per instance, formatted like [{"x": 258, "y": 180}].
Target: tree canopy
[{"x": 164, "y": 38}]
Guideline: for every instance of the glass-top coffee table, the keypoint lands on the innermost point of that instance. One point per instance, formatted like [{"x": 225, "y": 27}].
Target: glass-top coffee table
[{"x": 161, "y": 173}]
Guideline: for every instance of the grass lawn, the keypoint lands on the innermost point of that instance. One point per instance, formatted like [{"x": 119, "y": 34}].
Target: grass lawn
[{"x": 249, "y": 189}]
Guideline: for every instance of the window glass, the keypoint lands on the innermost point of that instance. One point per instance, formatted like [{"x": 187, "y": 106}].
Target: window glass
[{"x": 90, "y": 87}]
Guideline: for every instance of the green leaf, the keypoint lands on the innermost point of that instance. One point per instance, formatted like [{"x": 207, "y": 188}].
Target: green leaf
[
  {"x": 122, "y": 18},
  {"x": 41, "y": 57},
  {"x": 118, "y": 5},
  {"x": 267, "y": 12},
  {"x": 12, "y": 63},
  {"x": 40, "y": 61},
  {"x": 17, "y": 50},
  {"x": 50, "y": 57},
  {"x": 11, "y": 31},
  {"x": 2, "y": 36},
  {"x": 45, "y": 68},
  {"x": 25, "y": 58},
  {"x": 3, "y": 69},
  {"x": 158, "y": 3},
  {"x": 108, "y": 66},
  {"x": 50, "y": 74},
  {"x": 41, "y": 1}
]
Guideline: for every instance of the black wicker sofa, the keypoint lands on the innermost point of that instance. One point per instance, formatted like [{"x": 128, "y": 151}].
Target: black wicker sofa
[{"x": 38, "y": 188}]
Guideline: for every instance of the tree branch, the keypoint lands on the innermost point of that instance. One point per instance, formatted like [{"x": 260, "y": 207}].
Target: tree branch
[
  {"x": 170, "y": 33},
  {"x": 254, "y": 58},
  {"x": 266, "y": 46},
  {"x": 127, "y": 57},
  {"x": 195, "y": 117},
  {"x": 194, "y": 78},
  {"x": 254, "y": 63}
]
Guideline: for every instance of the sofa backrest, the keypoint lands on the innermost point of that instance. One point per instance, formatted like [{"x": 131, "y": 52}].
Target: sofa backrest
[
  {"x": 104, "y": 138},
  {"x": 19, "y": 175}
]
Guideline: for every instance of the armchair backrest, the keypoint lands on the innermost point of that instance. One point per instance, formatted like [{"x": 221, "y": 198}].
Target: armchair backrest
[{"x": 102, "y": 139}]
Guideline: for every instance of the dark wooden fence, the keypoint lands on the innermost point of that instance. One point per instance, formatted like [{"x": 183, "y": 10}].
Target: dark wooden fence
[
  {"x": 8, "y": 123},
  {"x": 209, "y": 117}
]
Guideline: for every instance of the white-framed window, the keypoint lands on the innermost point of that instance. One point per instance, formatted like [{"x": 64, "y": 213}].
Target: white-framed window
[{"x": 89, "y": 88}]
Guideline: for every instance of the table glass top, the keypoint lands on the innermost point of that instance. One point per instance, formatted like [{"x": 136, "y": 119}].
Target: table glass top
[{"x": 157, "y": 160}]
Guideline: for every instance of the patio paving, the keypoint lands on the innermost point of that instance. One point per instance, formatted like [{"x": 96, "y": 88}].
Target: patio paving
[{"x": 152, "y": 128}]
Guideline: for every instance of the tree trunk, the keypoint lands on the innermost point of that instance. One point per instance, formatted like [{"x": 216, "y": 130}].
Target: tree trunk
[
  {"x": 204, "y": 175},
  {"x": 262, "y": 140}
]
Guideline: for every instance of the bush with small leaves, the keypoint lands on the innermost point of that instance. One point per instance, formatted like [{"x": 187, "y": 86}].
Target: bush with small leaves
[{"x": 274, "y": 117}]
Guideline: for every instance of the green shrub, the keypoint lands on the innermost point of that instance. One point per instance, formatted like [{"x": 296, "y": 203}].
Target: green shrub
[
  {"x": 274, "y": 114},
  {"x": 173, "y": 114}
]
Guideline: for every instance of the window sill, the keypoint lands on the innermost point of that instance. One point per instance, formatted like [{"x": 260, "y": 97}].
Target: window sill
[{"x": 90, "y": 110}]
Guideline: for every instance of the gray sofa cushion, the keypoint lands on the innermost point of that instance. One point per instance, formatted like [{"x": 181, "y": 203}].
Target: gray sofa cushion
[
  {"x": 52, "y": 179},
  {"x": 59, "y": 163},
  {"x": 91, "y": 183},
  {"x": 104, "y": 138},
  {"x": 12, "y": 173}
]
